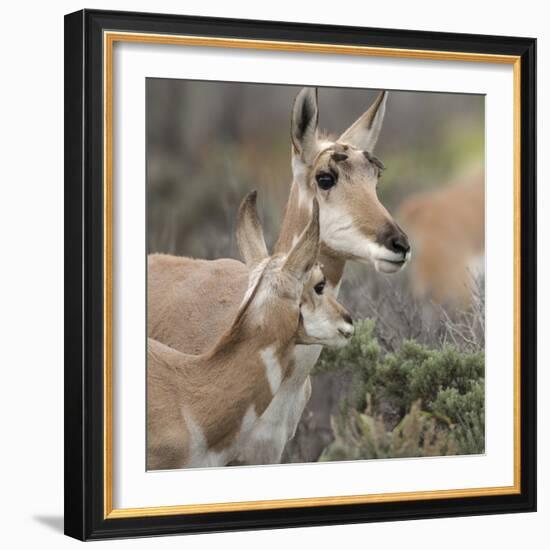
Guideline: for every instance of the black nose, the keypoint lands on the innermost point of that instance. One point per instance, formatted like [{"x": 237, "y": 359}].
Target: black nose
[
  {"x": 397, "y": 241},
  {"x": 347, "y": 318}
]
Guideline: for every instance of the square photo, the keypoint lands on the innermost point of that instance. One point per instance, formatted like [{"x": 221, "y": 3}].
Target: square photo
[{"x": 315, "y": 274}]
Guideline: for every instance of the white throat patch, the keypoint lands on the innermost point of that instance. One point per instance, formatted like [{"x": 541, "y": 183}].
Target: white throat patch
[{"x": 273, "y": 369}]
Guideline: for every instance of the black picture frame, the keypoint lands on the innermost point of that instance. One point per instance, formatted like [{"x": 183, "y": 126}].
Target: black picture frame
[{"x": 84, "y": 283}]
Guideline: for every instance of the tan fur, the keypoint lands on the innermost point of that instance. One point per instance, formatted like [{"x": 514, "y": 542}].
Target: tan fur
[
  {"x": 355, "y": 194},
  {"x": 216, "y": 389},
  {"x": 447, "y": 227},
  {"x": 361, "y": 131},
  {"x": 295, "y": 219},
  {"x": 250, "y": 236},
  {"x": 213, "y": 392},
  {"x": 191, "y": 302}
]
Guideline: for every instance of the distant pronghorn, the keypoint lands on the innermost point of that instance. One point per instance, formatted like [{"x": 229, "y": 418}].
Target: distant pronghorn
[
  {"x": 190, "y": 302},
  {"x": 202, "y": 408},
  {"x": 447, "y": 229}
]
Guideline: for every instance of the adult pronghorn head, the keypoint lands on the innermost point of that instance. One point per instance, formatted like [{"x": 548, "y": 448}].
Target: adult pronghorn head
[
  {"x": 343, "y": 175},
  {"x": 289, "y": 290}
]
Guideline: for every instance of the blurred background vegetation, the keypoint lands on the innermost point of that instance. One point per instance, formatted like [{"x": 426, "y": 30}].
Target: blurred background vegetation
[{"x": 412, "y": 381}]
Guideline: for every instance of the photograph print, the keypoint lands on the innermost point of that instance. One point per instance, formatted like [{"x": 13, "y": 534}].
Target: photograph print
[{"x": 315, "y": 274}]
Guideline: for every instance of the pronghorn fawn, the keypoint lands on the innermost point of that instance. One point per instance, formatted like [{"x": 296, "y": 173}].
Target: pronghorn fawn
[
  {"x": 202, "y": 408},
  {"x": 447, "y": 227},
  {"x": 190, "y": 302}
]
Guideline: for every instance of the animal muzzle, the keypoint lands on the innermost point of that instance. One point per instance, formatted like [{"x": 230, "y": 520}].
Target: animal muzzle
[
  {"x": 346, "y": 328},
  {"x": 394, "y": 251},
  {"x": 396, "y": 241}
]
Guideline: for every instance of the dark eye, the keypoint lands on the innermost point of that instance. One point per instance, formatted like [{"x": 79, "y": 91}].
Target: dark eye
[
  {"x": 320, "y": 287},
  {"x": 325, "y": 180}
]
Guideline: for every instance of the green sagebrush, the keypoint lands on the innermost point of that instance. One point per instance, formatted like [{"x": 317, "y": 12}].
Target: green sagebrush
[{"x": 413, "y": 402}]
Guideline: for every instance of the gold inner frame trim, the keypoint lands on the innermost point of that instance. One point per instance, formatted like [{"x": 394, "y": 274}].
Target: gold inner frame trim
[{"x": 109, "y": 39}]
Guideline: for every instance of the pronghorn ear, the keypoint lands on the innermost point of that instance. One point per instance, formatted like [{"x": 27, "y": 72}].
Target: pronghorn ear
[
  {"x": 364, "y": 132},
  {"x": 250, "y": 236},
  {"x": 302, "y": 257},
  {"x": 304, "y": 123}
]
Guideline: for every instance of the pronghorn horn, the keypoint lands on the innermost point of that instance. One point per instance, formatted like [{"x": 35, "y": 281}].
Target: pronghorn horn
[
  {"x": 304, "y": 122},
  {"x": 364, "y": 132},
  {"x": 250, "y": 236},
  {"x": 304, "y": 253}
]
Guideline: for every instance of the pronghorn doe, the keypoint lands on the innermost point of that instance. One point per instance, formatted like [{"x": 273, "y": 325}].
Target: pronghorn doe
[
  {"x": 190, "y": 302},
  {"x": 447, "y": 228},
  {"x": 201, "y": 408}
]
